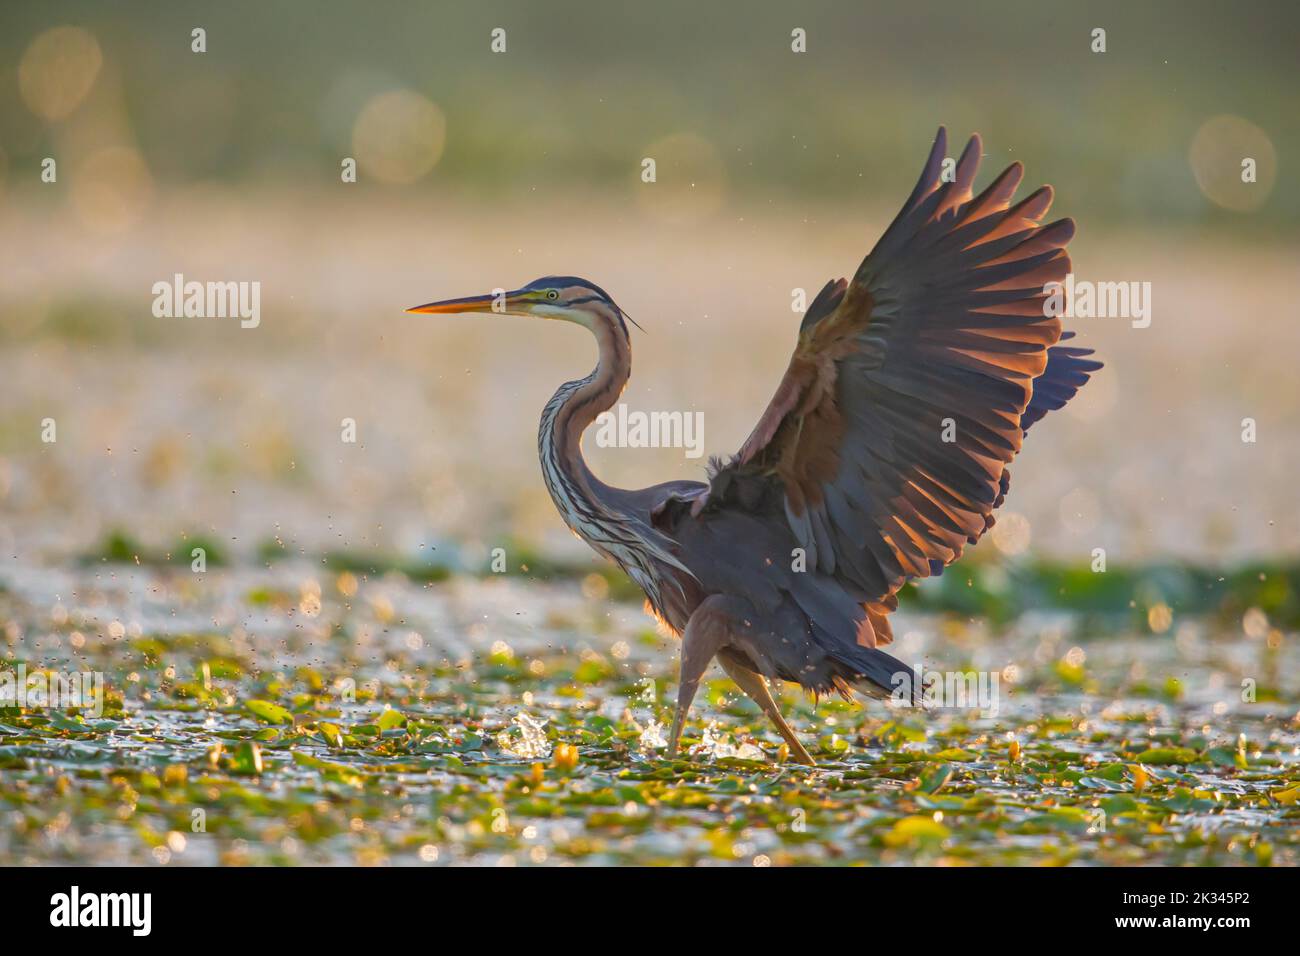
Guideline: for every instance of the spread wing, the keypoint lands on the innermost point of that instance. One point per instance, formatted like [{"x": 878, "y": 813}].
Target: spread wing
[{"x": 887, "y": 441}]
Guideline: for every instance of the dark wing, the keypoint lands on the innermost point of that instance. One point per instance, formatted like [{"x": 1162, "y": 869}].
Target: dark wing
[
  {"x": 887, "y": 441},
  {"x": 1068, "y": 369}
]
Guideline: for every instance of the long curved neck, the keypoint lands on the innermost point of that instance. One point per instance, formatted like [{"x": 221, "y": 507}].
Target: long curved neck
[
  {"x": 592, "y": 509},
  {"x": 566, "y": 416}
]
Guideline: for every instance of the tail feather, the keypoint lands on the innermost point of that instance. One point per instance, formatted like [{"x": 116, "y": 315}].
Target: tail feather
[{"x": 876, "y": 674}]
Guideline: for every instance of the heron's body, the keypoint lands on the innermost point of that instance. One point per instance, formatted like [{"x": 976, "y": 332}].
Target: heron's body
[{"x": 881, "y": 455}]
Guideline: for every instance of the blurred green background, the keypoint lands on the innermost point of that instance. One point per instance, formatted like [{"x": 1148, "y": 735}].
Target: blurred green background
[
  {"x": 584, "y": 87},
  {"x": 776, "y": 170}
]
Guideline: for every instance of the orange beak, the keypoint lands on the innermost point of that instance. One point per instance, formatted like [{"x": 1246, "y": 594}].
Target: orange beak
[{"x": 472, "y": 303}]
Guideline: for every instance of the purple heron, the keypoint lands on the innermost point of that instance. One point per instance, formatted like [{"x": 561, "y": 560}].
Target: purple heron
[{"x": 882, "y": 454}]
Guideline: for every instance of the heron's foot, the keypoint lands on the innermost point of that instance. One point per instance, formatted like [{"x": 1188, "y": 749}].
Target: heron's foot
[
  {"x": 674, "y": 735},
  {"x": 799, "y": 752},
  {"x": 685, "y": 695},
  {"x": 706, "y": 632},
  {"x": 755, "y": 685}
]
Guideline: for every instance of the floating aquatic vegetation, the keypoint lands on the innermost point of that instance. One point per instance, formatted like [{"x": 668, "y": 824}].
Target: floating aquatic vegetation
[{"x": 332, "y": 739}]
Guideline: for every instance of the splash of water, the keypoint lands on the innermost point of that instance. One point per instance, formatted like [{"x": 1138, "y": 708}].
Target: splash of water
[
  {"x": 713, "y": 745},
  {"x": 652, "y": 737},
  {"x": 527, "y": 738}
]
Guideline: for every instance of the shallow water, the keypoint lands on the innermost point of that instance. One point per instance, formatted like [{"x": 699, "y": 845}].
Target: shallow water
[{"x": 385, "y": 705}]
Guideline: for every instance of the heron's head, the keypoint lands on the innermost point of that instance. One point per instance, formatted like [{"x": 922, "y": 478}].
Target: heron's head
[{"x": 551, "y": 297}]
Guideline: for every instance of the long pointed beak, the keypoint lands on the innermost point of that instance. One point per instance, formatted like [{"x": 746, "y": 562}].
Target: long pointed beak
[{"x": 472, "y": 303}]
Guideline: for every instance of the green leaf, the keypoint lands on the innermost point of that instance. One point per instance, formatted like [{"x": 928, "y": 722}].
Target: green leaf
[
  {"x": 1119, "y": 804},
  {"x": 268, "y": 712},
  {"x": 247, "y": 759},
  {"x": 61, "y": 722},
  {"x": 916, "y": 830},
  {"x": 1167, "y": 755},
  {"x": 934, "y": 779},
  {"x": 956, "y": 754},
  {"x": 1227, "y": 757},
  {"x": 333, "y": 736}
]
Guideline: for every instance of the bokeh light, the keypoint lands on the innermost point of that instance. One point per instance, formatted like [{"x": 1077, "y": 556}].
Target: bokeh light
[
  {"x": 1012, "y": 533},
  {"x": 1216, "y": 155},
  {"x": 57, "y": 70},
  {"x": 398, "y": 137},
  {"x": 690, "y": 180},
  {"x": 1254, "y": 623},
  {"x": 1159, "y": 618}
]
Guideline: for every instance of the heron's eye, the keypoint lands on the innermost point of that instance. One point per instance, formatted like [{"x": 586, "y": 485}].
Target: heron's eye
[{"x": 552, "y": 294}]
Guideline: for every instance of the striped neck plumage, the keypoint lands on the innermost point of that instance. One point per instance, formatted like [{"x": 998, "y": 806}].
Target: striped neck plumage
[
  {"x": 574, "y": 407},
  {"x": 585, "y": 503}
]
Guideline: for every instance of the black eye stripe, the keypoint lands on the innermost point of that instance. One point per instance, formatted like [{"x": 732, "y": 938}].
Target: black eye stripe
[{"x": 600, "y": 298}]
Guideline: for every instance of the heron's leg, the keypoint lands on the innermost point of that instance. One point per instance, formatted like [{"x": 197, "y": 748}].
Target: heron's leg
[
  {"x": 706, "y": 632},
  {"x": 755, "y": 685}
]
